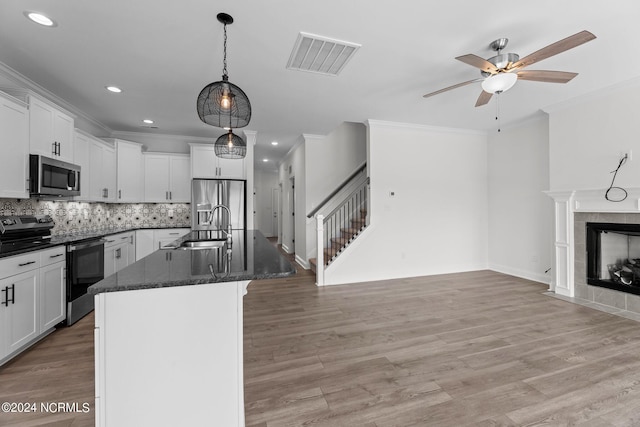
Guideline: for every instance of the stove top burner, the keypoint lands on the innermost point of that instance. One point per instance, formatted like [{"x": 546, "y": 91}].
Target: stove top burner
[{"x": 20, "y": 232}]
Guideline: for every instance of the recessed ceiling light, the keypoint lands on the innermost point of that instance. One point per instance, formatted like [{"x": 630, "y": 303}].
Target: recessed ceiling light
[
  {"x": 148, "y": 121},
  {"x": 39, "y": 18},
  {"x": 265, "y": 160},
  {"x": 274, "y": 143},
  {"x": 113, "y": 89}
]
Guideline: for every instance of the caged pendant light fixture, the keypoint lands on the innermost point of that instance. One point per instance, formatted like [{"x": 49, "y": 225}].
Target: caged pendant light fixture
[
  {"x": 223, "y": 104},
  {"x": 230, "y": 146}
]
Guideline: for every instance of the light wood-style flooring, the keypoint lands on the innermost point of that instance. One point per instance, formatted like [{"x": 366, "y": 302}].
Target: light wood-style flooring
[{"x": 479, "y": 348}]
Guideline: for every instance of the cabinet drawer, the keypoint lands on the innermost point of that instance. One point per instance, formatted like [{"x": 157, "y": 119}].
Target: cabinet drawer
[
  {"x": 50, "y": 256},
  {"x": 19, "y": 263},
  {"x": 117, "y": 239}
]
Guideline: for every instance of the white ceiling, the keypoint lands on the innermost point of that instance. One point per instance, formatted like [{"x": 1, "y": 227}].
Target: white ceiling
[{"x": 162, "y": 53}]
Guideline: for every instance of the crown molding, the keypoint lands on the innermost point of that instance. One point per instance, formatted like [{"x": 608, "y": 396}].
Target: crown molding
[
  {"x": 23, "y": 82},
  {"x": 429, "y": 128}
]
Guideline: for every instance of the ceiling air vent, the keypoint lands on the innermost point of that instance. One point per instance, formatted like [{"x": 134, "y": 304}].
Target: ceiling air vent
[{"x": 322, "y": 55}]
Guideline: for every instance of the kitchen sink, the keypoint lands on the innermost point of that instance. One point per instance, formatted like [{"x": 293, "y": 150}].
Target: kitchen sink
[{"x": 202, "y": 244}]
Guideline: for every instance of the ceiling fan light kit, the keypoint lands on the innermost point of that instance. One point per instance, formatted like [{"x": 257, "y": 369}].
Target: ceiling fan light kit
[
  {"x": 225, "y": 105},
  {"x": 500, "y": 72},
  {"x": 499, "y": 83}
]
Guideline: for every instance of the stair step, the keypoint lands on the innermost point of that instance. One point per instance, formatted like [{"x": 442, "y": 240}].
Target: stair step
[
  {"x": 351, "y": 231},
  {"x": 339, "y": 242},
  {"x": 313, "y": 262},
  {"x": 358, "y": 222}
]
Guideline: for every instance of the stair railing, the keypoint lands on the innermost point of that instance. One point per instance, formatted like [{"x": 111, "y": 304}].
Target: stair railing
[{"x": 347, "y": 215}]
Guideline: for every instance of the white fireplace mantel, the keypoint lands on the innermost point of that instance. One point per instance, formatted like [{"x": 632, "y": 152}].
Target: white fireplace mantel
[{"x": 568, "y": 202}]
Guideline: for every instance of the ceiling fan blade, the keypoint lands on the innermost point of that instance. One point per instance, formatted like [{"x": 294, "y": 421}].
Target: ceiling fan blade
[
  {"x": 554, "y": 49},
  {"x": 476, "y": 61},
  {"x": 452, "y": 87},
  {"x": 484, "y": 98},
  {"x": 546, "y": 76}
]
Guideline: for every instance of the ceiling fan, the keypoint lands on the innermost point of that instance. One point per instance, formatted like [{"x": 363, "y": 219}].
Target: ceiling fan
[{"x": 500, "y": 72}]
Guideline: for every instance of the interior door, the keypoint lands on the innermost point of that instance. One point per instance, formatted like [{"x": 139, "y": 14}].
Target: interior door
[{"x": 275, "y": 208}]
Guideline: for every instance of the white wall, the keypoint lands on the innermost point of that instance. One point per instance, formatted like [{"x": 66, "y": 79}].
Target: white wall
[
  {"x": 437, "y": 220},
  {"x": 520, "y": 214},
  {"x": 588, "y": 135},
  {"x": 329, "y": 161},
  {"x": 265, "y": 183},
  {"x": 293, "y": 227}
]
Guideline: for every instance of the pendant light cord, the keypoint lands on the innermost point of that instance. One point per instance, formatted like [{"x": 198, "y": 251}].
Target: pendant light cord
[
  {"x": 611, "y": 187},
  {"x": 224, "y": 68}
]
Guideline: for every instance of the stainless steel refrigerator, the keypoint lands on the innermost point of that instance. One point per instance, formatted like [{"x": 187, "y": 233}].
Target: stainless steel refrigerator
[{"x": 206, "y": 194}]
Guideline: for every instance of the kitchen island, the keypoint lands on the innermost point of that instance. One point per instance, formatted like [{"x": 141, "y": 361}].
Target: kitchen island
[{"x": 168, "y": 337}]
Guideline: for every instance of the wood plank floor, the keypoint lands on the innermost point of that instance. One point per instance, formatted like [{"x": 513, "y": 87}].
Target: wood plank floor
[{"x": 479, "y": 348}]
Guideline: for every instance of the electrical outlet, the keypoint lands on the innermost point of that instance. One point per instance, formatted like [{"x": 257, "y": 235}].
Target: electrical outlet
[{"x": 170, "y": 213}]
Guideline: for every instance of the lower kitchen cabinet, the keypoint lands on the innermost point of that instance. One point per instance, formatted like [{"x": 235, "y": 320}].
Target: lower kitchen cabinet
[
  {"x": 19, "y": 311},
  {"x": 52, "y": 287},
  {"x": 148, "y": 241},
  {"x": 116, "y": 252},
  {"x": 32, "y": 298}
]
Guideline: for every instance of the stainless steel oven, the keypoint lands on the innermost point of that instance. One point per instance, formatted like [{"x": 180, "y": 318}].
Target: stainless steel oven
[{"x": 85, "y": 266}]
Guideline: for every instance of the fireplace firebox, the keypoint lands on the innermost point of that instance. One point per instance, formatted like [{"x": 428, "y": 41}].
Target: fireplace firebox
[{"x": 613, "y": 256}]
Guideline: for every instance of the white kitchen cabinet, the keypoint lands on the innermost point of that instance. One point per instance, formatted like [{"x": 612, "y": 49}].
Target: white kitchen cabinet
[
  {"x": 205, "y": 164},
  {"x": 102, "y": 172},
  {"x": 81, "y": 157},
  {"x": 116, "y": 252},
  {"x": 129, "y": 171},
  {"x": 197, "y": 351},
  {"x": 52, "y": 287},
  {"x": 18, "y": 302},
  {"x": 50, "y": 130},
  {"x": 163, "y": 237},
  {"x": 166, "y": 178},
  {"x": 144, "y": 243},
  {"x": 14, "y": 135},
  {"x": 148, "y": 241}
]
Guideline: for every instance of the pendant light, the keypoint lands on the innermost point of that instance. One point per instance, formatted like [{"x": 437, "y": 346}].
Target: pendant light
[
  {"x": 223, "y": 104},
  {"x": 230, "y": 146}
]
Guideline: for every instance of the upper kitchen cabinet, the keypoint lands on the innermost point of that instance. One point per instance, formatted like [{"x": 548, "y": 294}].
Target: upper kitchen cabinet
[
  {"x": 81, "y": 157},
  {"x": 50, "y": 131},
  {"x": 205, "y": 164},
  {"x": 129, "y": 171},
  {"x": 14, "y": 134},
  {"x": 102, "y": 172},
  {"x": 166, "y": 178}
]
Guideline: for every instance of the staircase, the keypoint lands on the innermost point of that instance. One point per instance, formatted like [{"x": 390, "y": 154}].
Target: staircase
[
  {"x": 340, "y": 219},
  {"x": 339, "y": 243}
]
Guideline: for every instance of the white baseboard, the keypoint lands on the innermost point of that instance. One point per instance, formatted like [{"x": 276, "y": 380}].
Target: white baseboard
[
  {"x": 523, "y": 274},
  {"x": 303, "y": 263}
]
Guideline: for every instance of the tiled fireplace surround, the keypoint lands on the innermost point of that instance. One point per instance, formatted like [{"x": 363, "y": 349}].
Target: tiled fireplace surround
[
  {"x": 79, "y": 217},
  {"x": 573, "y": 209}
]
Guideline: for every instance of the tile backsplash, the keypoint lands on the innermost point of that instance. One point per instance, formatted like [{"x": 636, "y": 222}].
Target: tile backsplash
[{"x": 81, "y": 217}]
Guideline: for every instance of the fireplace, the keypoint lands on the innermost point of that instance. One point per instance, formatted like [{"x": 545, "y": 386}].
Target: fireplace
[{"x": 613, "y": 256}]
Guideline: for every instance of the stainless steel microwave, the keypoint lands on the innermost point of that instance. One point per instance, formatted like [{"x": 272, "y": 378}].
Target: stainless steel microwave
[{"x": 51, "y": 177}]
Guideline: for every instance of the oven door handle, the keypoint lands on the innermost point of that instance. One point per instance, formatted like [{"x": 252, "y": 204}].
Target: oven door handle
[{"x": 85, "y": 245}]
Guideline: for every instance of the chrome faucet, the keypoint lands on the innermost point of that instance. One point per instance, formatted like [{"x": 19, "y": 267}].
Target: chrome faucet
[{"x": 228, "y": 231}]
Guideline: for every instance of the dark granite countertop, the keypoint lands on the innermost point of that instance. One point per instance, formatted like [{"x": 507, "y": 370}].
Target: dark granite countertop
[
  {"x": 79, "y": 237},
  {"x": 250, "y": 257}
]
